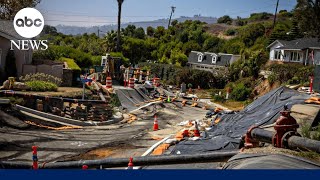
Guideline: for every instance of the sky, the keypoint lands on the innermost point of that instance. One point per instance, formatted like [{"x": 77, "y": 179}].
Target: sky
[{"x": 101, "y": 12}]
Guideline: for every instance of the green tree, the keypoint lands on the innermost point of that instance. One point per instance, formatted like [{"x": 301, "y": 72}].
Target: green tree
[
  {"x": 134, "y": 49},
  {"x": 178, "y": 58},
  {"x": 160, "y": 31},
  {"x": 49, "y": 30},
  {"x": 174, "y": 22},
  {"x": 225, "y": 20},
  {"x": 110, "y": 41},
  {"x": 307, "y": 13},
  {"x": 211, "y": 44},
  {"x": 240, "y": 22},
  {"x": 251, "y": 33},
  {"x": 129, "y": 30},
  {"x": 9, "y": 8},
  {"x": 295, "y": 32},
  {"x": 139, "y": 33},
  {"x": 150, "y": 31}
]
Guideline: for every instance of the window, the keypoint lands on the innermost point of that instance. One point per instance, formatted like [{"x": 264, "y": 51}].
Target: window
[
  {"x": 277, "y": 55},
  {"x": 214, "y": 59},
  {"x": 295, "y": 56},
  {"x": 200, "y": 56}
]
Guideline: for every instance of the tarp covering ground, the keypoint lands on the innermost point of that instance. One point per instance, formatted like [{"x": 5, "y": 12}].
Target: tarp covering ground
[
  {"x": 130, "y": 98},
  {"x": 270, "y": 161},
  {"x": 229, "y": 131}
]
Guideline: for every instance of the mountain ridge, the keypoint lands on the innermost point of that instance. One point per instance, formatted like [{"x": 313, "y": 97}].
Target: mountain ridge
[{"x": 78, "y": 30}]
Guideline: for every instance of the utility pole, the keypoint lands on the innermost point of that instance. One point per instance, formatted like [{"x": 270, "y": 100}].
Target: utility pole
[
  {"x": 275, "y": 14},
  {"x": 172, "y": 11},
  {"x": 98, "y": 32}
]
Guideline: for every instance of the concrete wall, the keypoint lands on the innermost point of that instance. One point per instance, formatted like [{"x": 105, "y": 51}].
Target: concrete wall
[
  {"x": 67, "y": 78},
  {"x": 29, "y": 69},
  {"x": 54, "y": 70},
  {"x": 66, "y": 75}
]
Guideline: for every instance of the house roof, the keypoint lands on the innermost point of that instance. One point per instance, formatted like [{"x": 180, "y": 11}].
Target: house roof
[
  {"x": 299, "y": 44},
  {"x": 7, "y": 30},
  {"x": 276, "y": 41},
  {"x": 222, "y": 60}
]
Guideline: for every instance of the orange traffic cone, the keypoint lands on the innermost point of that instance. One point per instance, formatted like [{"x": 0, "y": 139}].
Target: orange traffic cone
[
  {"x": 155, "y": 124},
  {"x": 130, "y": 164}
]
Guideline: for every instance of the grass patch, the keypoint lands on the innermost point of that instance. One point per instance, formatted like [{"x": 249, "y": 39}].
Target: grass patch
[
  {"x": 310, "y": 133},
  {"x": 309, "y": 155},
  {"x": 71, "y": 64},
  {"x": 42, "y": 86},
  {"x": 204, "y": 93},
  {"x": 233, "y": 105}
]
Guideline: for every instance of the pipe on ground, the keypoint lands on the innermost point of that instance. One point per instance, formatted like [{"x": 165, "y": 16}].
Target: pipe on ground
[
  {"x": 293, "y": 142},
  {"x": 303, "y": 143},
  {"x": 137, "y": 161},
  {"x": 146, "y": 161},
  {"x": 262, "y": 135}
]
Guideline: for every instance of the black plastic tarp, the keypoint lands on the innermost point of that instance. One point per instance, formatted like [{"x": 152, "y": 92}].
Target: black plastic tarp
[
  {"x": 229, "y": 131},
  {"x": 130, "y": 98}
]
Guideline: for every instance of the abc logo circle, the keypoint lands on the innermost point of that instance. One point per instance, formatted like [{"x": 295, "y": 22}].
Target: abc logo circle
[{"x": 28, "y": 22}]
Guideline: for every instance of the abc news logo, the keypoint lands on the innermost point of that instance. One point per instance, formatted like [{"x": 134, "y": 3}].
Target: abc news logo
[{"x": 29, "y": 23}]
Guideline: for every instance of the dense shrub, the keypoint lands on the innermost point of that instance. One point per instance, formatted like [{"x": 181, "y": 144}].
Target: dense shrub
[
  {"x": 41, "y": 77},
  {"x": 175, "y": 75},
  {"x": 225, "y": 19},
  {"x": 219, "y": 98},
  {"x": 230, "y": 32},
  {"x": 56, "y": 52},
  {"x": 240, "y": 92},
  {"x": 260, "y": 16},
  {"x": 291, "y": 73},
  {"x": 42, "y": 86},
  {"x": 272, "y": 78}
]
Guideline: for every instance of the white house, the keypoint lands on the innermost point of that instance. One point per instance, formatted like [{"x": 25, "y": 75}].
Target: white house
[{"x": 305, "y": 51}]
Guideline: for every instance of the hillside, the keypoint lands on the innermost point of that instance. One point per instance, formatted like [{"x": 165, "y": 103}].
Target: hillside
[{"x": 76, "y": 30}]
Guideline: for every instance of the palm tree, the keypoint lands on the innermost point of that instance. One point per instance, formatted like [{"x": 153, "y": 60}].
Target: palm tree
[{"x": 119, "y": 23}]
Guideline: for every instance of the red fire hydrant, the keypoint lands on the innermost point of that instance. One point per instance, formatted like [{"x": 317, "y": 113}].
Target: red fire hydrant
[{"x": 285, "y": 127}]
